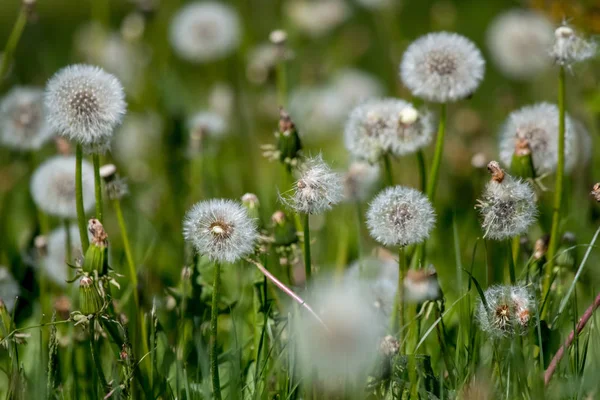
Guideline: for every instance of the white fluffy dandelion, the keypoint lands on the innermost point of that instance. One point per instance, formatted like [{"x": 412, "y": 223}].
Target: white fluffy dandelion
[
  {"x": 54, "y": 262},
  {"x": 571, "y": 48},
  {"x": 23, "y": 119},
  {"x": 205, "y": 31},
  {"x": 207, "y": 123},
  {"x": 317, "y": 18},
  {"x": 538, "y": 124},
  {"x": 507, "y": 206},
  {"x": 366, "y": 131},
  {"x": 518, "y": 41},
  {"x": 346, "y": 350},
  {"x": 410, "y": 129},
  {"x": 442, "y": 67},
  {"x": 9, "y": 288},
  {"x": 53, "y": 186},
  {"x": 220, "y": 229},
  {"x": 317, "y": 189},
  {"x": 360, "y": 180},
  {"x": 509, "y": 311},
  {"x": 85, "y": 104},
  {"x": 400, "y": 216}
]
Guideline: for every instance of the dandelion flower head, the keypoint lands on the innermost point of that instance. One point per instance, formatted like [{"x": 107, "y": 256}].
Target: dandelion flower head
[{"x": 509, "y": 311}]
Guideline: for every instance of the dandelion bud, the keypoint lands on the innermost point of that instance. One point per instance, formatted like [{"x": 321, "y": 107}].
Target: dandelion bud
[
  {"x": 570, "y": 48},
  {"x": 421, "y": 286},
  {"x": 317, "y": 189},
  {"x": 522, "y": 163},
  {"x": 96, "y": 256},
  {"x": 442, "y": 67},
  {"x": 89, "y": 298},
  {"x": 508, "y": 313},
  {"x": 596, "y": 192},
  {"x": 9, "y": 289},
  {"x": 250, "y": 201},
  {"x": 220, "y": 229},
  {"x": 508, "y": 205},
  {"x": 288, "y": 143},
  {"x": 400, "y": 216},
  {"x": 284, "y": 229}
]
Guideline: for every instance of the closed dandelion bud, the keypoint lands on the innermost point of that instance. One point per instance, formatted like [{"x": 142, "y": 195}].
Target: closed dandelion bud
[
  {"x": 288, "y": 143},
  {"x": 508, "y": 313},
  {"x": 284, "y": 229},
  {"x": 442, "y": 67},
  {"x": 317, "y": 190},
  {"x": 421, "y": 286},
  {"x": 400, "y": 216},
  {"x": 595, "y": 193},
  {"x": 89, "y": 298},
  {"x": 507, "y": 207},
  {"x": 96, "y": 256},
  {"x": 522, "y": 163},
  {"x": 250, "y": 201},
  {"x": 570, "y": 48}
]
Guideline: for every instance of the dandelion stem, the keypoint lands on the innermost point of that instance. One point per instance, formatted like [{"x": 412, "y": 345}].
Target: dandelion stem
[
  {"x": 359, "y": 223},
  {"x": 13, "y": 41},
  {"x": 422, "y": 169},
  {"x": 127, "y": 248},
  {"x": 81, "y": 219},
  {"x": 389, "y": 177},
  {"x": 558, "y": 189},
  {"x": 214, "y": 314},
  {"x": 68, "y": 242},
  {"x": 95, "y": 355},
  {"x": 97, "y": 186},
  {"x": 307, "y": 262},
  {"x": 511, "y": 263},
  {"x": 400, "y": 296},
  {"x": 437, "y": 158}
]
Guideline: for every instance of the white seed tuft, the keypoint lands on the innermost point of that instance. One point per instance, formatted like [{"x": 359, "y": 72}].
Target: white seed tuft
[
  {"x": 538, "y": 124},
  {"x": 509, "y": 312},
  {"x": 23, "y": 119},
  {"x": 400, "y": 216},
  {"x": 205, "y": 31},
  {"x": 442, "y": 67},
  {"x": 570, "y": 48},
  {"x": 53, "y": 186},
  {"x": 85, "y": 104},
  {"x": 220, "y": 229}
]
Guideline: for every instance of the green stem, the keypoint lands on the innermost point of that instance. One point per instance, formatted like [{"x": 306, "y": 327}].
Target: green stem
[
  {"x": 558, "y": 189},
  {"x": 511, "y": 263},
  {"x": 437, "y": 157},
  {"x": 127, "y": 248},
  {"x": 389, "y": 177},
  {"x": 13, "y": 41},
  {"x": 81, "y": 219},
  {"x": 422, "y": 169},
  {"x": 307, "y": 261},
  {"x": 214, "y": 315},
  {"x": 399, "y": 320},
  {"x": 97, "y": 186},
  {"x": 359, "y": 222},
  {"x": 68, "y": 242},
  {"x": 95, "y": 355}
]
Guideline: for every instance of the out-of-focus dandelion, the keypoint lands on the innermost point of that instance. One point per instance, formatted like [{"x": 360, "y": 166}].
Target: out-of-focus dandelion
[
  {"x": 518, "y": 41},
  {"x": 116, "y": 187},
  {"x": 54, "y": 262},
  {"x": 442, "y": 67},
  {"x": 380, "y": 280},
  {"x": 346, "y": 350},
  {"x": 205, "y": 31},
  {"x": 317, "y": 18},
  {"x": 9, "y": 289},
  {"x": 53, "y": 187},
  {"x": 421, "y": 285},
  {"x": 85, "y": 104},
  {"x": 366, "y": 130},
  {"x": 400, "y": 216},
  {"x": 509, "y": 311},
  {"x": 23, "y": 123},
  {"x": 410, "y": 130},
  {"x": 360, "y": 180},
  {"x": 202, "y": 125},
  {"x": 376, "y": 4},
  {"x": 508, "y": 205},
  {"x": 570, "y": 47},
  {"x": 538, "y": 124},
  {"x": 220, "y": 229}
]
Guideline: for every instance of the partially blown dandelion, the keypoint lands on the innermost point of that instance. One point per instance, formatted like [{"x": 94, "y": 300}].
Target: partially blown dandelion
[
  {"x": 53, "y": 187},
  {"x": 507, "y": 207},
  {"x": 442, "y": 67},
  {"x": 85, "y": 104},
  {"x": 570, "y": 48},
  {"x": 23, "y": 119},
  {"x": 509, "y": 311},
  {"x": 220, "y": 229},
  {"x": 400, "y": 216}
]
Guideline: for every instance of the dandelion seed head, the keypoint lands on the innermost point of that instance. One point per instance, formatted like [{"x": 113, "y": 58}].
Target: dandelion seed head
[
  {"x": 317, "y": 18},
  {"x": 509, "y": 311},
  {"x": 410, "y": 130},
  {"x": 571, "y": 48},
  {"x": 507, "y": 208},
  {"x": 52, "y": 186},
  {"x": 360, "y": 180},
  {"x": 538, "y": 124},
  {"x": 205, "y": 31},
  {"x": 220, "y": 229},
  {"x": 400, "y": 216},
  {"x": 9, "y": 289},
  {"x": 518, "y": 41},
  {"x": 442, "y": 67},
  {"x": 23, "y": 119},
  {"x": 348, "y": 348},
  {"x": 366, "y": 130},
  {"x": 54, "y": 262},
  {"x": 85, "y": 104},
  {"x": 317, "y": 189},
  {"x": 207, "y": 123}
]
